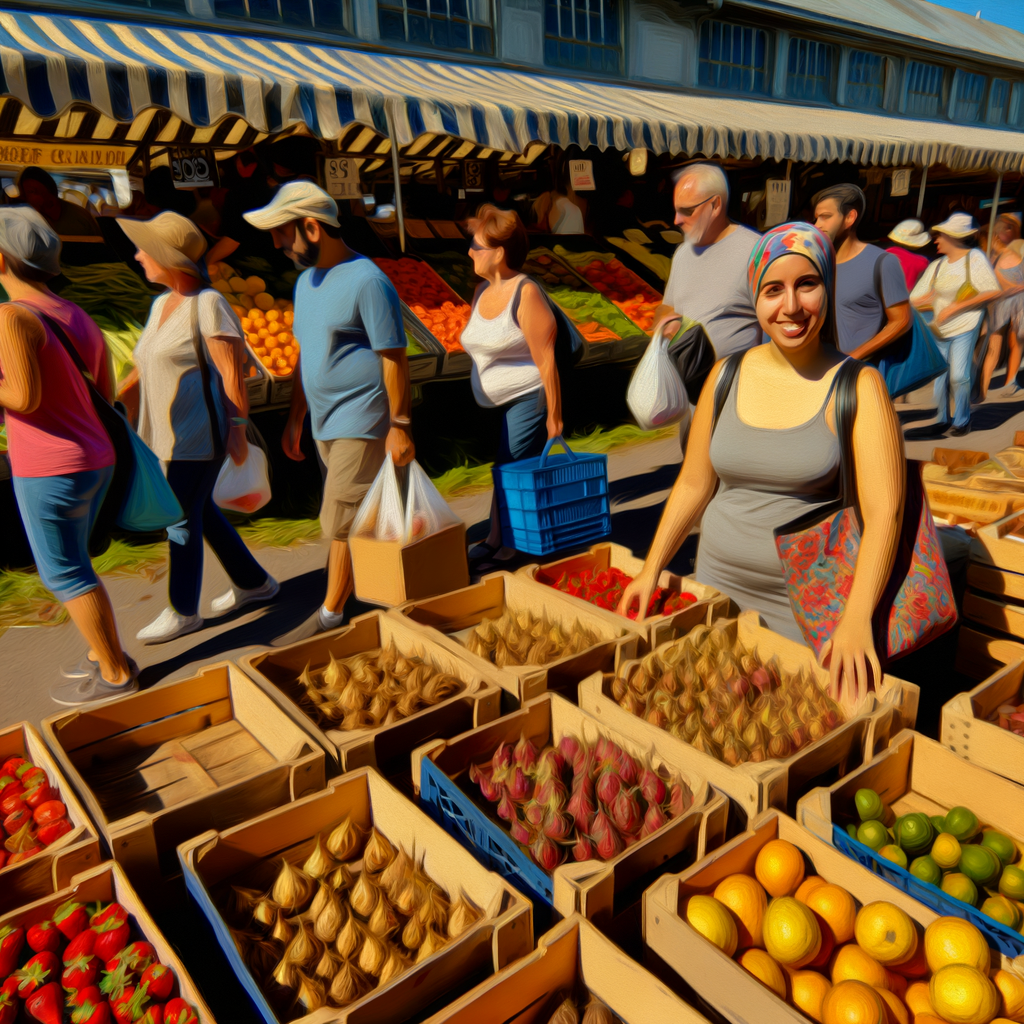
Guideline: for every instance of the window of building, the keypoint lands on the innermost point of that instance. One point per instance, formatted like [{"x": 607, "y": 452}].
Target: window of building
[
  {"x": 968, "y": 96},
  {"x": 445, "y": 24},
  {"x": 733, "y": 57},
  {"x": 865, "y": 80},
  {"x": 809, "y": 76},
  {"x": 322, "y": 14},
  {"x": 583, "y": 34},
  {"x": 924, "y": 89},
  {"x": 998, "y": 101}
]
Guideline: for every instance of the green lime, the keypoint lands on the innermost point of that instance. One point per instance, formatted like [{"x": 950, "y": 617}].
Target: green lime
[
  {"x": 1002, "y": 845},
  {"x": 869, "y": 805},
  {"x": 873, "y": 834},
  {"x": 893, "y": 853},
  {"x": 1011, "y": 882},
  {"x": 979, "y": 864},
  {"x": 1002, "y": 910},
  {"x": 851, "y": 831},
  {"x": 926, "y": 869},
  {"x": 946, "y": 851},
  {"x": 960, "y": 887},
  {"x": 939, "y": 822},
  {"x": 914, "y": 833},
  {"x": 962, "y": 824}
]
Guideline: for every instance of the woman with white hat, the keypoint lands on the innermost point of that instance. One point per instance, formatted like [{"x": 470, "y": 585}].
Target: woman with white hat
[
  {"x": 910, "y": 238},
  {"x": 192, "y": 409},
  {"x": 1004, "y": 316},
  {"x": 957, "y": 287}
]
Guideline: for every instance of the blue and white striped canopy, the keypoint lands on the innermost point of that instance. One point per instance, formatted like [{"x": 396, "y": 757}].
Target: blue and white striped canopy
[{"x": 52, "y": 64}]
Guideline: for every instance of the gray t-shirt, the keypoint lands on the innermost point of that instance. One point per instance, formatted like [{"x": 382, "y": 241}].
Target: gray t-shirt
[
  {"x": 861, "y": 309},
  {"x": 708, "y": 284}
]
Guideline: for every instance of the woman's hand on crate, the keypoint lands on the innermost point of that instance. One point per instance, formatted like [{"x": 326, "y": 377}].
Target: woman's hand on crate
[
  {"x": 640, "y": 590},
  {"x": 850, "y": 657}
]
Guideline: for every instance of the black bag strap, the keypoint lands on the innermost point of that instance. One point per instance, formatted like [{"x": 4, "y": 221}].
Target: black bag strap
[
  {"x": 845, "y": 414},
  {"x": 204, "y": 373},
  {"x": 726, "y": 377}
]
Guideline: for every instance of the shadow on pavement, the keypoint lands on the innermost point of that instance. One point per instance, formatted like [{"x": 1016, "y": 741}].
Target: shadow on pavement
[{"x": 994, "y": 414}]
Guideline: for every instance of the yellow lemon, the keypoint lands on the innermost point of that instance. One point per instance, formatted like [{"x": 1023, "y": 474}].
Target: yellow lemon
[
  {"x": 807, "y": 992},
  {"x": 952, "y": 940},
  {"x": 853, "y": 1002},
  {"x": 837, "y": 907},
  {"x": 946, "y": 851},
  {"x": 1011, "y": 991},
  {"x": 713, "y": 921},
  {"x": 807, "y": 886},
  {"x": 744, "y": 896},
  {"x": 791, "y": 932},
  {"x": 895, "y": 1011},
  {"x": 851, "y": 963},
  {"x": 779, "y": 867},
  {"x": 918, "y": 1000},
  {"x": 963, "y": 995},
  {"x": 758, "y": 963},
  {"x": 885, "y": 933}
]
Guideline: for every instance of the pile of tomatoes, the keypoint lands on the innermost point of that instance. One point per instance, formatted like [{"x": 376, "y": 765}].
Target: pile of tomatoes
[
  {"x": 440, "y": 310},
  {"x": 630, "y": 293},
  {"x": 604, "y": 588},
  {"x": 33, "y": 814}
]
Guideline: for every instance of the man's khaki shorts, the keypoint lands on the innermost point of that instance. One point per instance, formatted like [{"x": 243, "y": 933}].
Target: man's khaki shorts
[{"x": 352, "y": 465}]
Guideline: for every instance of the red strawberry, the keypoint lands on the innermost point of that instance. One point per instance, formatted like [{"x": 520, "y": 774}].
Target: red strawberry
[
  {"x": 11, "y": 765},
  {"x": 159, "y": 981},
  {"x": 51, "y": 832},
  {"x": 115, "y": 980},
  {"x": 177, "y": 1011},
  {"x": 8, "y": 1007},
  {"x": 111, "y": 910},
  {"x": 153, "y": 1015},
  {"x": 49, "y": 812},
  {"x": 40, "y": 970},
  {"x": 11, "y": 940},
  {"x": 12, "y": 803},
  {"x": 72, "y": 919},
  {"x": 16, "y": 821},
  {"x": 111, "y": 936},
  {"x": 84, "y": 943},
  {"x": 89, "y": 1007},
  {"x": 9, "y": 786},
  {"x": 128, "y": 1007},
  {"x": 80, "y": 973},
  {"x": 47, "y": 1004},
  {"x": 40, "y": 794},
  {"x": 136, "y": 958},
  {"x": 44, "y": 937},
  {"x": 29, "y": 775}
]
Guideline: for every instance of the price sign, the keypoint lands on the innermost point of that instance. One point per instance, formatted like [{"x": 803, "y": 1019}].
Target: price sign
[
  {"x": 581, "y": 175},
  {"x": 194, "y": 169},
  {"x": 901, "y": 181},
  {"x": 473, "y": 175},
  {"x": 341, "y": 178},
  {"x": 776, "y": 201}
]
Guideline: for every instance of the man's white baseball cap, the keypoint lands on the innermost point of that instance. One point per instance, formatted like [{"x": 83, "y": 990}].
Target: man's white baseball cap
[{"x": 294, "y": 201}]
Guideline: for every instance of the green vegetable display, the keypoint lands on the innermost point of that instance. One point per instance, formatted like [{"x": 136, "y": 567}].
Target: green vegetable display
[
  {"x": 457, "y": 272},
  {"x": 583, "y": 307}
]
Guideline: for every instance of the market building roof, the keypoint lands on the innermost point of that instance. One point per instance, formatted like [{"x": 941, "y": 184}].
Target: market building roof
[{"x": 51, "y": 63}]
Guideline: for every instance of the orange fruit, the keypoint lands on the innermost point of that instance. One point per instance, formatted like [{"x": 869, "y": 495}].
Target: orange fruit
[
  {"x": 807, "y": 886},
  {"x": 951, "y": 940},
  {"x": 897, "y": 983},
  {"x": 1011, "y": 992},
  {"x": 886, "y": 933},
  {"x": 744, "y": 896},
  {"x": 895, "y": 1011},
  {"x": 807, "y": 992},
  {"x": 853, "y": 1002},
  {"x": 713, "y": 920},
  {"x": 779, "y": 867},
  {"x": 758, "y": 963},
  {"x": 837, "y": 907},
  {"x": 828, "y": 942},
  {"x": 918, "y": 1000},
  {"x": 963, "y": 995},
  {"x": 791, "y": 932},
  {"x": 916, "y": 966},
  {"x": 851, "y": 963}
]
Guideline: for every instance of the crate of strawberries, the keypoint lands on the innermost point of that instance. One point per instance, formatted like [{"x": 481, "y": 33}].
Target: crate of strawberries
[
  {"x": 92, "y": 954},
  {"x": 47, "y": 835}
]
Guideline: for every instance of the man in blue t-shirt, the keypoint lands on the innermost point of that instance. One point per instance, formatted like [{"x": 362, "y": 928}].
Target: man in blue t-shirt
[{"x": 353, "y": 374}]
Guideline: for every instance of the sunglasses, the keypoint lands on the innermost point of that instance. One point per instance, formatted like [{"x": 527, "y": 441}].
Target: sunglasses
[
  {"x": 475, "y": 246},
  {"x": 687, "y": 211}
]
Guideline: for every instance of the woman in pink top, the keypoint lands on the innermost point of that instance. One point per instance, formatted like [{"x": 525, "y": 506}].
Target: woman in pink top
[
  {"x": 910, "y": 238},
  {"x": 62, "y": 460}
]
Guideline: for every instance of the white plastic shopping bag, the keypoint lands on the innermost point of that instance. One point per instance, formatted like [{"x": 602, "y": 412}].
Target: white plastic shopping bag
[
  {"x": 381, "y": 515},
  {"x": 244, "y": 488},
  {"x": 656, "y": 395},
  {"x": 426, "y": 512}
]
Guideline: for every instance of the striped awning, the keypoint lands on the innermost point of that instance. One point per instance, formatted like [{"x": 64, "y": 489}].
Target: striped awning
[{"x": 221, "y": 88}]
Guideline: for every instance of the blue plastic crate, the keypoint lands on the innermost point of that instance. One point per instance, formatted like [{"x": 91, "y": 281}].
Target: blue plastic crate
[
  {"x": 558, "y": 538},
  {"x": 998, "y": 936},
  {"x": 552, "y": 497}
]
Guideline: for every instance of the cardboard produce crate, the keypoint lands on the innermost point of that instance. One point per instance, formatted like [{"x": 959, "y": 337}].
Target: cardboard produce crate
[
  {"x": 918, "y": 774},
  {"x": 778, "y": 782},
  {"x": 388, "y": 747},
  {"x": 454, "y": 616},
  {"x": 388, "y": 572},
  {"x": 967, "y": 727},
  {"x": 574, "y": 953},
  {"x": 653, "y": 629},
  {"x": 592, "y": 888},
  {"x": 160, "y": 766},
  {"x": 248, "y": 855},
  {"x": 719, "y": 979},
  {"x": 105, "y": 883},
  {"x": 51, "y": 870}
]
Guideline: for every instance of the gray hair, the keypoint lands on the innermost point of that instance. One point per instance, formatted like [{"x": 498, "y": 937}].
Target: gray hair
[
  {"x": 30, "y": 245},
  {"x": 710, "y": 178}
]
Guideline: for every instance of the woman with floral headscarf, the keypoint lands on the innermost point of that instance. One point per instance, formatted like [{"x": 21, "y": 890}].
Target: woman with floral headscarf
[{"x": 773, "y": 456}]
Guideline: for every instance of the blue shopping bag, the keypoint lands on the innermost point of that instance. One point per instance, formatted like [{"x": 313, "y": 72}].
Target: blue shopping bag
[
  {"x": 914, "y": 360},
  {"x": 149, "y": 503}
]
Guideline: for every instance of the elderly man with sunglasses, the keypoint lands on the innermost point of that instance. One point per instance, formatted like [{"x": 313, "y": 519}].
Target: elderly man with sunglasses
[{"x": 708, "y": 281}]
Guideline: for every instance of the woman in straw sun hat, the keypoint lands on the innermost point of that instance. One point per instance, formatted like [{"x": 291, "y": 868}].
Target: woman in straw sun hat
[
  {"x": 1004, "y": 316},
  {"x": 192, "y": 409},
  {"x": 957, "y": 287},
  {"x": 910, "y": 238}
]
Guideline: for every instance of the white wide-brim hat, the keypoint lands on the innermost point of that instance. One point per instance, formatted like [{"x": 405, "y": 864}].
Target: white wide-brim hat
[
  {"x": 957, "y": 225},
  {"x": 910, "y": 232},
  {"x": 295, "y": 201}
]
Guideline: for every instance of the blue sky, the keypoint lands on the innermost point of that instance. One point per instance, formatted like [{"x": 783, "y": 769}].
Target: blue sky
[{"x": 1003, "y": 12}]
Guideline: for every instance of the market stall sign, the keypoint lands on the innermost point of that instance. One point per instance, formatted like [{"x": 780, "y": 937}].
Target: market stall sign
[
  {"x": 776, "y": 201},
  {"x": 637, "y": 162},
  {"x": 341, "y": 178},
  {"x": 194, "y": 169},
  {"x": 901, "y": 181},
  {"x": 581, "y": 175},
  {"x": 64, "y": 156},
  {"x": 473, "y": 175}
]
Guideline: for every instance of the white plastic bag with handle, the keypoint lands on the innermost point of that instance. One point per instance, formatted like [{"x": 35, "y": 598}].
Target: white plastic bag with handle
[
  {"x": 244, "y": 488},
  {"x": 426, "y": 512},
  {"x": 381, "y": 515},
  {"x": 656, "y": 395}
]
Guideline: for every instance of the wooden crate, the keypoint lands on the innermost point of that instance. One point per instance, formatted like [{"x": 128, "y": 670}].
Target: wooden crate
[
  {"x": 918, "y": 774},
  {"x": 573, "y": 953},
  {"x": 966, "y": 726},
  {"x": 105, "y": 883},
  {"x": 654, "y": 629},
  {"x": 997, "y": 544},
  {"x": 79, "y": 850},
  {"x": 1005, "y": 616},
  {"x": 737, "y": 995},
  {"x": 160, "y": 766},
  {"x": 452, "y": 617},
  {"x": 975, "y": 504},
  {"x": 775, "y": 783},
  {"x": 592, "y": 888},
  {"x": 248, "y": 855},
  {"x": 386, "y": 748}
]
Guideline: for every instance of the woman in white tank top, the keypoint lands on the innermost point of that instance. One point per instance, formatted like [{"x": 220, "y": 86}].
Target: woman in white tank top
[{"x": 511, "y": 340}]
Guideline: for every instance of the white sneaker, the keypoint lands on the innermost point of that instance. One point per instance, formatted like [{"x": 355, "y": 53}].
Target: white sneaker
[
  {"x": 236, "y": 598},
  {"x": 169, "y": 625}
]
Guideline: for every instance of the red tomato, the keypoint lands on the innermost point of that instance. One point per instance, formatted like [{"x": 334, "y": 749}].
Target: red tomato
[
  {"x": 11, "y": 804},
  {"x": 49, "y": 812},
  {"x": 16, "y": 820},
  {"x": 40, "y": 795}
]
